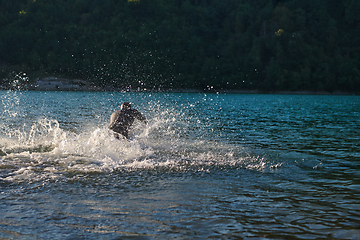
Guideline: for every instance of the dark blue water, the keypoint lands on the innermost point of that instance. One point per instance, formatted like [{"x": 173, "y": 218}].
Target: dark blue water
[{"x": 217, "y": 166}]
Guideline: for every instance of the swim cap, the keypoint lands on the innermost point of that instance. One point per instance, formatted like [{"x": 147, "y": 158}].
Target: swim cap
[{"x": 125, "y": 105}]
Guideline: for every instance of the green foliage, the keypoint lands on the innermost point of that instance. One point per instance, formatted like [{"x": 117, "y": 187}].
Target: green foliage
[{"x": 203, "y": 44}]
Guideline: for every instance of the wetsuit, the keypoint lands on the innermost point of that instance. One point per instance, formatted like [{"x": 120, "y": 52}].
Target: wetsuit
[{"x": 121, "y": 121}]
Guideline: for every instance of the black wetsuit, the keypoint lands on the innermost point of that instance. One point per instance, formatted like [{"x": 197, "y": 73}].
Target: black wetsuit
[{"x": 124, "y": 121}]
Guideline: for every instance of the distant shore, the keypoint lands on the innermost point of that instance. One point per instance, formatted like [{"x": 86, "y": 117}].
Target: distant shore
[{"x": 63, "y": 84}]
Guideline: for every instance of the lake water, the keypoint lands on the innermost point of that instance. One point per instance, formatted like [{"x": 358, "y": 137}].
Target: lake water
[{"x": 217, "y": 166}]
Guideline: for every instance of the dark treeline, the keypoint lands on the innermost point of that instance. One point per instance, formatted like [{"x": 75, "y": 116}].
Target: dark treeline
[{"x": 268, "y": 45}]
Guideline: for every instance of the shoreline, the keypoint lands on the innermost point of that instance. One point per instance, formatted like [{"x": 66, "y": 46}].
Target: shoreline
[
  {"x": 52, "y": 83},
  {"x": 64, "y": 84}
]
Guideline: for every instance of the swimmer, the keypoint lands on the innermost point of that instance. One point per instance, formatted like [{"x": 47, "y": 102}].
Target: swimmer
[{"x": 121, "y": 120}]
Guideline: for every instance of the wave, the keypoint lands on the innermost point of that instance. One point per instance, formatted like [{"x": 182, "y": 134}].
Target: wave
[{"x": 45, "y": 151}]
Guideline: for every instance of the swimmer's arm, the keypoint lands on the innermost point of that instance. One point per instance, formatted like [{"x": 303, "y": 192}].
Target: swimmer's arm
[{"x": 113, "y": 118}]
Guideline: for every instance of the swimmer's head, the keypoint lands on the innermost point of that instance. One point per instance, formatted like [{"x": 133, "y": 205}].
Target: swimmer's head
[{"x": 125, "y": 106}]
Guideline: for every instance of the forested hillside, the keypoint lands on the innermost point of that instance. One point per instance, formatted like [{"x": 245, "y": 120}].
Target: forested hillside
[{"x": 269, "y": 45}]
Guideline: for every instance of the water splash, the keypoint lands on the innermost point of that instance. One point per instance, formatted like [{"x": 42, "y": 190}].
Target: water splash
[
  {"x": 44, "y": 151},
  {"x": 11, "y": 103}
]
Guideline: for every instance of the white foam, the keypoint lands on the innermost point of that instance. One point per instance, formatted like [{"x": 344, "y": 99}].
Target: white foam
[{"x": 45, "y": 151}]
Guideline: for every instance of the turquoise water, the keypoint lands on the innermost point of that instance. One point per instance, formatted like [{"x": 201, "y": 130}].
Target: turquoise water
[{"x": 218, "y": 166}]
